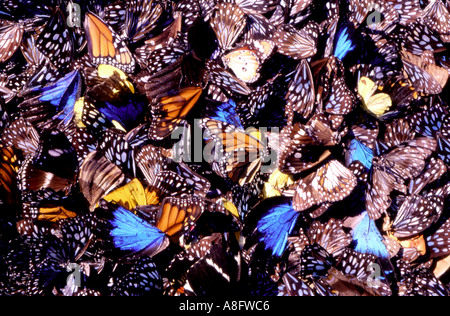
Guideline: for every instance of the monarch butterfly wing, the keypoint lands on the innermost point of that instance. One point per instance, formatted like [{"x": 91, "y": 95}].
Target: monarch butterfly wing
[
  {"x": 8, "y": 172},
  {"x": 105, "y": 46},
  {"x": 179, "y": 214},
  {"x": 172, "y": 110},
  {"x": 234, "y": 150},
  {"x": 10, "y": 39},
  {"x": 56, "y": 41}
]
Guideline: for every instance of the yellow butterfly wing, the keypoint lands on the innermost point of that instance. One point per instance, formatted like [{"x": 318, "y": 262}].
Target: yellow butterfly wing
[
  {"x": 376, "y": 104},
  {"x": 130, "y": 195}
]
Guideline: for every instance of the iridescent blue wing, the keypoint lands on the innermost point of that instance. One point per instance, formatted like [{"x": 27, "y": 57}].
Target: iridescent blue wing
[
  {"x": 62, "y": 95},
  {"x": 131, "y": 233},
  {"x": 226, "y": 112},
  {"x": 367, "y": 238},
  {"x": 276, "y": 222},
  {"x": 360, "y": 152}
]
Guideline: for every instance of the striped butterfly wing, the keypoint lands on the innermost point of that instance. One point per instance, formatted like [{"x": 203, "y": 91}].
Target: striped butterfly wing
[
  {"x": 97, "y": 177},
  {"x": 296, "y": 44},
  {"x": 8, "y": 172},
  {"x": 436, "y": 15},
  {"x": 301, "y": 92}
]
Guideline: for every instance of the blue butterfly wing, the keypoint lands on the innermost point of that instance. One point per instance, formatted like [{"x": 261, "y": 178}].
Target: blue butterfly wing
[
  {"x": 63, "y": 94},
  {"x": 276, "y": 225},
  {"x": 128, "y": 116},
  {"x": 368, "y": 238},
  {"x": 358, "y": 151},
  {"x": 344, "y": 42},
  {"x": 131, "y": 233},
  {"x": 226, "y": 112}
]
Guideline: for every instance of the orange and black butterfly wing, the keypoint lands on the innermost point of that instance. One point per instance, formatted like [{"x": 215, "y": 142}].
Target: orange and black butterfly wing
[
  {"x": 172, "y": 110},
  {"x": 105, "y": 46},
  {"x": 179, "y": 214},
  {"x": 8, "y": 173}
]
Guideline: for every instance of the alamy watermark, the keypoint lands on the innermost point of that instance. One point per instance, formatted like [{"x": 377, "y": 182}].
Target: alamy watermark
[
  {"x": 73, "y": 14},
  {"x": 245, "y": 146}
]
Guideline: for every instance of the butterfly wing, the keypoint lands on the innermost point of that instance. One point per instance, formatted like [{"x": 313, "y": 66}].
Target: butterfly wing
[
  {"x": 105, "y": 46},
  {"x": 10, "y": 39},
  {"x": 179, "y": 214},
  {"x": 172, "y": 110},
  {"x": 131, "y": 233},
  {"x": 331, "y": 182},
  {"x": 56, "y": 41},
  {"x": 228, "y": 23}
]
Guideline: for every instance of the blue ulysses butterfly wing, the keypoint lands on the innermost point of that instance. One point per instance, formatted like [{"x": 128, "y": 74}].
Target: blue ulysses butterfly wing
[
  {"x": 131, "y": 233},
  {"x": 357, "y": 151},
  {"x": 367, "y": 238},
  {"x": 276, "y": 221},
  {"x": 344, "y": 41},
  {"x": 226, "y": 112},
  {"x": 61, "y": 95}
]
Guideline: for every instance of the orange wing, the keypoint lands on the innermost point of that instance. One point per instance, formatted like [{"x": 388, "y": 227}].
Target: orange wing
[
  {"x": 172, "y": 110},
  {"x": 179, "y": 214},
  {"x": 105, "y": 46}
]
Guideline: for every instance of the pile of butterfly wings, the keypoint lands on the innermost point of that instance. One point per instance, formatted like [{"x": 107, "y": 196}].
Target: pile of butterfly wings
[{"x": 224, "y": 147}]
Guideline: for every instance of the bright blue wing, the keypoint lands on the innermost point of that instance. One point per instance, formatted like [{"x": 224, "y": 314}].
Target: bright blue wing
[
  {"x": 226, "y": 112},
  {"x": 358, "y": 151},
  {"x": 131, "y": 233},
  {"x": 368, "y": 238},
  {"x": 62, "y": 94},
  {"x": 275, "y": 226},
  {"x": 344, "y": 43}
]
